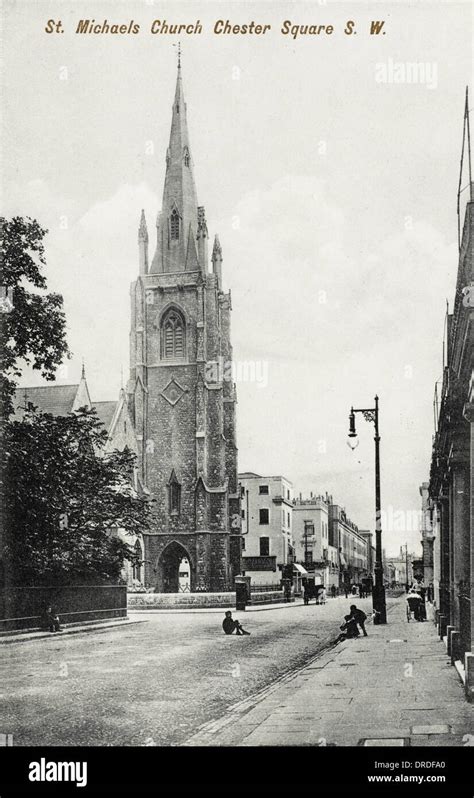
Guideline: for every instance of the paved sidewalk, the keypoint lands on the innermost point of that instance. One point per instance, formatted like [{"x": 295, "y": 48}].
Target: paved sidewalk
[
  {"x": 71, "y": 629},
  {"x": 396, "y": 685}
]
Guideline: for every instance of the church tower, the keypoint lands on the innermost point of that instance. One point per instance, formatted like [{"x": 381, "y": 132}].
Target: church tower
[{"x": 180, "y": 390}]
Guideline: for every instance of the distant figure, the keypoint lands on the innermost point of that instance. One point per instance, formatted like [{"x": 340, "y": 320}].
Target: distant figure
[
  {"x": 229, "y": 625},
  {"x": 50, "y": 620},
  {"x": 354, "y": 590},
  {"x": 361, "y": 590},
  {"x": 414, "y": 602},
  {"x": 333, "y": 591},
  {"x": 349, "y": 628},
  {"x": 322, "y": 596},
  {"x": 360, "y": 617},
  {"x": 346, "y": 589}
]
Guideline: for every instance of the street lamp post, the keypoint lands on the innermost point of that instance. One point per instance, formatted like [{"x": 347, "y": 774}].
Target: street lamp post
[
  {"x": 378, "y": 593},
  {"x": 406, "y": 568}
]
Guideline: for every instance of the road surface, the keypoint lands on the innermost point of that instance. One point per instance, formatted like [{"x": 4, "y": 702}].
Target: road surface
[{"x": 156, "y": 682}]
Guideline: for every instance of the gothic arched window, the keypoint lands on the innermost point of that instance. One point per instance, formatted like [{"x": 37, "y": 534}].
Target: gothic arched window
[
  {"x": 174, "y": 495},
  {"x": 174, "y": 225},
  {"x": 173, "y": 335}
]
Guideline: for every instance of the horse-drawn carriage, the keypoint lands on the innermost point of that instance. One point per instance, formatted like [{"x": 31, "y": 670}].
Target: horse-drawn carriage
[{"x": 313, "y": 590}]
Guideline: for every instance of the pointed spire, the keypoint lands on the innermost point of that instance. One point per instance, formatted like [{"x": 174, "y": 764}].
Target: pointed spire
[
  {"x": 179, "y": 193},
  {"x": 142, "y": 230},
  {"x": 202, "y": 239},
  {"x": 143, "y": 244},
  {"x": 217, "y": 260},
  {"x": 217, "y": 249},
  {"x": 83, "y": 373}
]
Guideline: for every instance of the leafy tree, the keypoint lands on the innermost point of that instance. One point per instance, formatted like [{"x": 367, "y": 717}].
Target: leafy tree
[
  {"x": 32, "y": 324},
  {"x": 64, "y": 495}
]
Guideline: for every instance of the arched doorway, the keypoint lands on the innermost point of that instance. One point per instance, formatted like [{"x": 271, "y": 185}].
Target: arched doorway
[{"x": 174, "y": 570}]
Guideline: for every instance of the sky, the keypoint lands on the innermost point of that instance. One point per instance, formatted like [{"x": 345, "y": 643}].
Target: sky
[{"x": 328, "y": 168}]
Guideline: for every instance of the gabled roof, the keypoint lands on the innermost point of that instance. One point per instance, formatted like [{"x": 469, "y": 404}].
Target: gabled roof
[
  {"x": 105, "y": 412},
  {"x": 59, "y": 400},
  {"x": 55, "y": 399}
]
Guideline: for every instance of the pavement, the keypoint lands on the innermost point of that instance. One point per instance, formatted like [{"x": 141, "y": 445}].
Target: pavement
[
  {"x": 18, "y": 636},
  {"x": 394, "y": 687}
]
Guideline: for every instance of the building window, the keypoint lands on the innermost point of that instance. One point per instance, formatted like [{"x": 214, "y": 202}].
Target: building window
[
  {"x": 288, "y": 495},
  {"x": 173, "y": 335},
  {"x": 243, "y": 513},
  {"x": 264, "y": 547},
  {"x": 174, "y": 225},
  {"x": 288, "y": 519},
  {"x": 263, "y": 490},
  {"x": 243, "y": 544},
  {"x": 174, "y": 495},
  {"x": 263, "y": 516}
]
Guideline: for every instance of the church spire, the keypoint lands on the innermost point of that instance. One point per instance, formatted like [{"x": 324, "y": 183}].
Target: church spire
[
  {"x": 143, "y": 244},
  {"x": 217, "y": 260},
  {"x": 179, "y": 207}
]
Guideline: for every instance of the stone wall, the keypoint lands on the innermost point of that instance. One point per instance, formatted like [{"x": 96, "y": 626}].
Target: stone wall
[{"x": 162, "y": 601}]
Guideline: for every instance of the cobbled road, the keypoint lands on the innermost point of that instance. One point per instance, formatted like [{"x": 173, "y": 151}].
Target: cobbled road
[{"x": 156, "y": 682}]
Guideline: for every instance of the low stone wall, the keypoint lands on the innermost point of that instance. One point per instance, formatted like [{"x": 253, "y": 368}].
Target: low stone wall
[
  {"x": 177, "y": 601},
  {"x": 22, "y": 607}
]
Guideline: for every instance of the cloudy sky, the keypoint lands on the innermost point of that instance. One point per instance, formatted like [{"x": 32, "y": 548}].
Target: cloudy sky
[{"x": 330, "y": 178}]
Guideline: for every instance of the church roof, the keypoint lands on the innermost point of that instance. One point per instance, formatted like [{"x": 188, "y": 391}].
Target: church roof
[
  {"x": 105, "y": 412},
  {"x": 55, "y": 399},
  {"x": 59, "y": 400}
]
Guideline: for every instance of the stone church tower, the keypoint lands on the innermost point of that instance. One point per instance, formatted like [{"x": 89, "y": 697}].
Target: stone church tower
[{"x": 182, "y": 405}]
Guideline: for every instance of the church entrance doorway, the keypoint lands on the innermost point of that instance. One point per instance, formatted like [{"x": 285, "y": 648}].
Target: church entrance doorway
[{"x": 174, "y": 570}]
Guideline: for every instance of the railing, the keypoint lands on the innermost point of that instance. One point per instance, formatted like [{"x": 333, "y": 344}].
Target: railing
[
  {"x": 265, "y": 588},
  {"x": 262, "y": 563},
  {"x": 464, "y": 624},
  {"x": 22, "y": 607}
]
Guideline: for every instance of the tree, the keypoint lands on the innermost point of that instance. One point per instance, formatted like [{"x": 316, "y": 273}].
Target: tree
[
  {"x": 32, "y": 324},
  {"x": 64, "y": 496}
]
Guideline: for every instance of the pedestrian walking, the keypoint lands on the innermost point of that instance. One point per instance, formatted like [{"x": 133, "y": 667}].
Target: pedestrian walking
[
  {"x": 333, "y": 591},
  {"x": 346, "y": 589},
  {"x": 359, "y": 617},
  {"x": 305, "y": 594},
  {"x": 414, "y": 602}
]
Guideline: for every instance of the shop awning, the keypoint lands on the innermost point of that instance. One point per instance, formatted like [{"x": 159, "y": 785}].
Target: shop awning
[{"x": 299, "y": 568}]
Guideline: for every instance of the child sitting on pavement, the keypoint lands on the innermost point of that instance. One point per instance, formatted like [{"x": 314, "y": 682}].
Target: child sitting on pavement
[
  {"x": 230, "y": 625},
  {"x": 50, "y": 620},
  {"x": 349, "y": 628}
]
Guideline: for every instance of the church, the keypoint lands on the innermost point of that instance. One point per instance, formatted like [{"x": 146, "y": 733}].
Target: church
[
  {"x": 179, "y": 409},
  {"x": 184, "y": 422}
]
